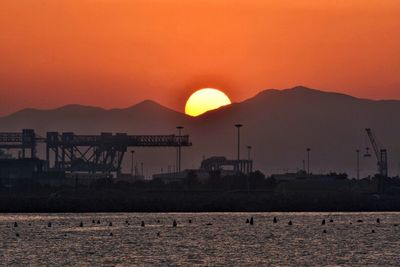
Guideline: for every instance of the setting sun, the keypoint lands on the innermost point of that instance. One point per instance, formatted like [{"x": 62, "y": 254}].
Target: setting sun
[{"x": 204, "y": 100}]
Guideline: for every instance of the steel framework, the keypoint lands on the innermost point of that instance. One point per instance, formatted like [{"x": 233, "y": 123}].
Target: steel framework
[
  {"x": 86, "y": 153},
  {"x": 380, "y": 154}
]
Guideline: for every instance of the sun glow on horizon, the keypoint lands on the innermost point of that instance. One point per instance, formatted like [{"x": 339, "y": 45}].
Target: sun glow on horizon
[{"x": 204, "y": 100}]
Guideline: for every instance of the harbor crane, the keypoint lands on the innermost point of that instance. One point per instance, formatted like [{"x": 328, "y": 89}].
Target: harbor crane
[
  {"x": 69, "y": 152},
  {"x": 380, "y": 153}
]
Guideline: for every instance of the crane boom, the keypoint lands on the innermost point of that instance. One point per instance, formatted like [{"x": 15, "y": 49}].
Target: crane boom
[
  {"x": 380, "y": 153},
  {"x": 374, "y": 144}
]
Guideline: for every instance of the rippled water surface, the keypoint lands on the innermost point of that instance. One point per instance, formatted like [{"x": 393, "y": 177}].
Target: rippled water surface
[{"x": 211, "y": 239}]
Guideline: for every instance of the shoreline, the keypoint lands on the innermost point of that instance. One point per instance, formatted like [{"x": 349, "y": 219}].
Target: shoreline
[{"x": 190, "y": 201}]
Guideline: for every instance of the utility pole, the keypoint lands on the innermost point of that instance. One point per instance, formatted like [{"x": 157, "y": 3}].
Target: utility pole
[{"x": 179, "y": 147}]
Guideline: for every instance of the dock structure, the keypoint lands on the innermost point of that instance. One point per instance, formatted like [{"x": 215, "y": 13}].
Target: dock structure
[
  {"x": 24, "y": 141},
  {"x": 70, "y": 152},
  {"x": 218, "y": 163}
]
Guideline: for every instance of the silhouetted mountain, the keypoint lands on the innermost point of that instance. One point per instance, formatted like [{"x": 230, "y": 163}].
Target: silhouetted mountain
[
  {"x": 281, "y": 124},
  {"x": 278, "y": 124},
  {"x": 144, "y": 117}
]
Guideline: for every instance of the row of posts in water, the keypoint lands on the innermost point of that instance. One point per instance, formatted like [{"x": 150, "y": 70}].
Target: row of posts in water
[
  {"x": 49, "y": 224},
  {"x": 175, "y": 224}
]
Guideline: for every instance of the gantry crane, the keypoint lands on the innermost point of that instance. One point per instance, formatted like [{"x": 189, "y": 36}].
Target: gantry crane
[
  {"x": 102, "y": 153},
  {"x": 380, "y": 153}
]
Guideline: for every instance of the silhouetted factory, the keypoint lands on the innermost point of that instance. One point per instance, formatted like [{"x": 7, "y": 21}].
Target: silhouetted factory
[
  {"x": 72, "y": 159},
  {"x": 220, "y": 165}
]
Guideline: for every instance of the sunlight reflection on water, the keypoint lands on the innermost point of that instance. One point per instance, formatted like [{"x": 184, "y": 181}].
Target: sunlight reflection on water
[{"x": 226, "y": 240}]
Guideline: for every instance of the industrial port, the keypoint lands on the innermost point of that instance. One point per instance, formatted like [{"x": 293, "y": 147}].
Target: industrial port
[
  {"x": 70, "y": 172},
  {"x": 71, "y": 159}
]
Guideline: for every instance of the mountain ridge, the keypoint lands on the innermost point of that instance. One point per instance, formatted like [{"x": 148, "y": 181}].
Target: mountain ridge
[
  {"x": 278, "y": 124},
  {"x": 295, "y": 91}
]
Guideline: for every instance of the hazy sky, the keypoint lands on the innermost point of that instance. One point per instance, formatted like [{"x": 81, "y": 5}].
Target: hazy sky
[{"x": 115, "y": 53}]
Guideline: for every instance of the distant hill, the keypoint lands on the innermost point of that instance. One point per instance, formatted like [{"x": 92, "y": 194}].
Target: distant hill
[
  {"x": 278, "y": 124},
  {"x": 281, "y": 124},
  {"x": 145, "y": 117}
]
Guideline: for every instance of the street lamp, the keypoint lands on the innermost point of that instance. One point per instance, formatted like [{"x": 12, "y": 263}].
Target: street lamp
[
  {"x": 238, "y": 126},
  {"x": 249, "y": 168},
  {"x": 179, "y": 147},
  {"x": 132, "y": 152},
  {"x": 308, "y": 160},
  {"x": 248, "y": 152}
]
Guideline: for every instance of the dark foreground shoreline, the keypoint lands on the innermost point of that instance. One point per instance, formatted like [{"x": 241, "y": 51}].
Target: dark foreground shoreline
[
  {"x": 222, "y": 194},
  {"x": 86, "y": 200}
]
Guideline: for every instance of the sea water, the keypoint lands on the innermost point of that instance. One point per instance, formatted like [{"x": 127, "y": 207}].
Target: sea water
[{"x": 212, "y": 239}]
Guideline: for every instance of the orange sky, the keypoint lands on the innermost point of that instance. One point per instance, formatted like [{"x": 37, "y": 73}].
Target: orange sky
[{"x": 114, "y": 53}]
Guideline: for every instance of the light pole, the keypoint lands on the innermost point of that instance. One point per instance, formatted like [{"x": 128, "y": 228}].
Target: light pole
[
  {"x": 179, "y": 147},
  {"x": 238, "y": 126},
  {"x": 132, "y": 152},
  {"x": 358, "y": 164},
  {"x": 308, "y": 160},
  {"x": 248, "y": 168},
  {"x": 248, "y": 152}
]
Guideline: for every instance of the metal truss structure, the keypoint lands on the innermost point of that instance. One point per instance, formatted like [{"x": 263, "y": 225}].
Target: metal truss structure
[{"x": 85, "y": 153}]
